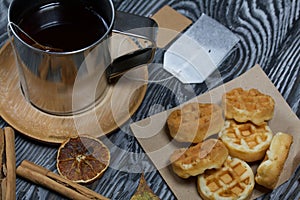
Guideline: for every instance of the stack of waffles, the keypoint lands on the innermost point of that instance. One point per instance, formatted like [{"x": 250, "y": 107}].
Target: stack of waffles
[{"x": 222, "y": 165}]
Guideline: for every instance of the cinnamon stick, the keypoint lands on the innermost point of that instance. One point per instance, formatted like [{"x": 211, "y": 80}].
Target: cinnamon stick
[
  {"x": 2, "y": 146},
  {"x": 50, "y": 180},
  {"x": 2, "y": 180},
  {"x": 3, "y": 188},
  {"x": 8, "y": 164}
]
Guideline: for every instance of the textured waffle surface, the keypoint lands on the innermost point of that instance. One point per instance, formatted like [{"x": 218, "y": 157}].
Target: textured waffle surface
[
  {"x": 194, "y": 160},
  {"x": 248, "y": 105},
  {"x": 195, "y": 121},
  {"x": 235, "y": 180},
  {"x": 246, "y": 141}
]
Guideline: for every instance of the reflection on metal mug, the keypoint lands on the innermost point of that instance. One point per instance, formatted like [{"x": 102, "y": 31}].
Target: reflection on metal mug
[{"x": 53, "y": 39}]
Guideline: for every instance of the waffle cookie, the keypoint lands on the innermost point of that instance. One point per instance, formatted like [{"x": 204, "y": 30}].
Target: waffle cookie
[
  {"x": 248, "y": 105},
  {"x": 269, "y": 170},
  {"x": 195, "y": 121},
  {"x": 246, "y": 141},
  {"x": 196, "y": 159},
  {"x": 235, "y": 180}
]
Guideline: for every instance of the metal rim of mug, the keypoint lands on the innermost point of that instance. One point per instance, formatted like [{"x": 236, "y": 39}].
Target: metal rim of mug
[{"x": 109, "y": 29}]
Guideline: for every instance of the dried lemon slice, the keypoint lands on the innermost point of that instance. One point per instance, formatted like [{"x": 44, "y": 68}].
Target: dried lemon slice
[{"x": 82, "y": 159}]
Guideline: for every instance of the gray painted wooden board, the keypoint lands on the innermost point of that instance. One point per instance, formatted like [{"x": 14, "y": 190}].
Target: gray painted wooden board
[{"x": 269, "y": 34}]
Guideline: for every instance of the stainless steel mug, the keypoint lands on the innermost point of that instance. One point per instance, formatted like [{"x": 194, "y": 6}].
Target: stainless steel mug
[{"x": 48, "y": 70}]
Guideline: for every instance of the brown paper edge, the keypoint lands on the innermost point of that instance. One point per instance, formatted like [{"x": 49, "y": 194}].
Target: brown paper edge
[{"x": 170, "y": 24}]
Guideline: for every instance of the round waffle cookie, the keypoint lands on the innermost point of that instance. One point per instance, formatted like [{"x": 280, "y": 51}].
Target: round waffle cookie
[
  {"x": 195, "y": 121},
  {"x": 235, "y": 180},
  {"x": 248, "y": 105},
  {"x": 246, "y": 141}
]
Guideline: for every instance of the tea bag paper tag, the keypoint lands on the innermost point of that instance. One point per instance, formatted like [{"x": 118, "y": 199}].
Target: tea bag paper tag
[
  {"x": 170, "y": 23},
  {"x": 199, "y": 51}
]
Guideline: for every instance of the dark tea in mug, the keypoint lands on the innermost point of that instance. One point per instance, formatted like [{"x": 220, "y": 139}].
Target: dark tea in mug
[
  {"x": 67, "y": 27},
  {"x": 62, "y": 50}
]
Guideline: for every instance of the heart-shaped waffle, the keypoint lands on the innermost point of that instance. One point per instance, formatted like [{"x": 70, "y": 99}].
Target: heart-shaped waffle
[
  {"x": 195, "y": 121},
  {"x": 196, "y": 159},
  {"x": 248, "y": 105}
]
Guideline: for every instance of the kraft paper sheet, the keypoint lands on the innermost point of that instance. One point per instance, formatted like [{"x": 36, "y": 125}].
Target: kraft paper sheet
[{"x": 153, "y": 135}]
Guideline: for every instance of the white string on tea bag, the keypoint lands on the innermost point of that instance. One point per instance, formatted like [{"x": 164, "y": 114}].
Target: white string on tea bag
[{"x": 199, "y": 51}]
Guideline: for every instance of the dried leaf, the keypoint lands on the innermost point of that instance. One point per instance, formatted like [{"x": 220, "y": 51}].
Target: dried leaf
[{"x": 144, "y": 192}]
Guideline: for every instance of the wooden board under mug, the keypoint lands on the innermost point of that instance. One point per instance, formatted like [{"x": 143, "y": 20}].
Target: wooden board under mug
[{"x": 103, "y": 117}]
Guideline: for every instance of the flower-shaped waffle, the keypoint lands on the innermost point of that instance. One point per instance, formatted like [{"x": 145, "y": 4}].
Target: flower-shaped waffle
[
  {"x": 246, "y": 141},
  {"x": 235, "y": 180}
]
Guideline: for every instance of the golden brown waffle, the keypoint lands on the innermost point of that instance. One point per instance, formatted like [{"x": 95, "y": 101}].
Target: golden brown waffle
[
  {"x": 269, "y": 170},
  {"x": 248, "y": 105},
  {"x": 235, "y": 180},
  {"x": 246, "y": 141},
  {"x": 195, "y": 121},
  {"x": 195, "y": 160}
]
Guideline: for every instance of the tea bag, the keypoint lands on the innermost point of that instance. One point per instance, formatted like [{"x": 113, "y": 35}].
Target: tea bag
[{"x": 199, "y": 51}]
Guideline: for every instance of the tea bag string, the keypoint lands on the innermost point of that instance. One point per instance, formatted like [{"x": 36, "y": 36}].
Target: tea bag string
[
  {"x": 141, "y": 79},
  {"x": 36, "y": 44}
]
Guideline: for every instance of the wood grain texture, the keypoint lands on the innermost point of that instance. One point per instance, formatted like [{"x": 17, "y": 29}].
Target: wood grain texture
[{"x": 269, "y": 35}]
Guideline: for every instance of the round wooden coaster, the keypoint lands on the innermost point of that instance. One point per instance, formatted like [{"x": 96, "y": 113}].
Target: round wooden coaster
[{"x": 121, "y": 101}]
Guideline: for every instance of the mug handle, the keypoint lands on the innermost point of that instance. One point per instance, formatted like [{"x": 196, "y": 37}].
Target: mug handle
[{"x": 139, "y": 27}]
